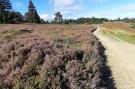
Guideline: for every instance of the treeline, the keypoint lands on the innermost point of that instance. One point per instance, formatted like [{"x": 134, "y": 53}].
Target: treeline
[
  {"x": 127, "y": 20},
  {"x": 83, "y": 20}
]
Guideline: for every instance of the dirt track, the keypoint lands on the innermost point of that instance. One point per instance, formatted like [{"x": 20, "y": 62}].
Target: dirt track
[{"x": 121, "y": 59}]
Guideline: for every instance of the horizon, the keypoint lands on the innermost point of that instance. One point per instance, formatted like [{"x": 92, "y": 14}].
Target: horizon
[{"x": 73, "y": 9}]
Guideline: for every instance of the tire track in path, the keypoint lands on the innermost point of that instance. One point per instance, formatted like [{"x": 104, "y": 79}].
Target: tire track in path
[{"x": 121, "y": 60}]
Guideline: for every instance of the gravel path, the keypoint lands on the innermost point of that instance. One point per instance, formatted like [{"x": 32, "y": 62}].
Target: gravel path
[{"x": 121, "y": 59}]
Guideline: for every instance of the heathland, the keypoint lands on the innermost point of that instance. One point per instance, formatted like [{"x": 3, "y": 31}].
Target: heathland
[{"x": 36, "y": 56}]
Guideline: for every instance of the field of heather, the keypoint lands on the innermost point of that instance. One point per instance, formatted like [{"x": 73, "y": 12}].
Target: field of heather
[{"x": 36, "y": 56}]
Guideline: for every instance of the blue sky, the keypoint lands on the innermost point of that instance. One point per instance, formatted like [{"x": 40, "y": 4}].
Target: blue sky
[{"x": 79, "y": 8}]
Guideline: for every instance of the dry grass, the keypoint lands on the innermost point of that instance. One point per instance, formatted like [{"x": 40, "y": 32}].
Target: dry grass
[
  {"x": 122, "y": 31},
  {"x": 118, "y": 25}
]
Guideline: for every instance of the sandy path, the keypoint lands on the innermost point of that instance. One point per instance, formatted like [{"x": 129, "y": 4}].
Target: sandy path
[{"x": 121, "y": 59}]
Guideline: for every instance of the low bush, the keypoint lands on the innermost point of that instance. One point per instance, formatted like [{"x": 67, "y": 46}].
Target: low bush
[{"x": 33, "y": 62}]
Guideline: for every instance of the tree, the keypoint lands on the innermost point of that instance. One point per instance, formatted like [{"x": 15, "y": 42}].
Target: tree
[
  {"x": 83, "y": 20},
  {"x": 7, "y": 5},
  {"x": 32, "y": 15},
  {"x": 5, "y": 9},
  {"x": 15, "y": 17},
  {"x": 58, "y": 18},
  {"x": 2, "y": 10}
]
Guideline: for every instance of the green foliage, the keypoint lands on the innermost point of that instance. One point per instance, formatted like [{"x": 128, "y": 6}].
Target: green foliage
[
  {"x": 41, "y": 83},
  {"x": 125, "y": 36},
  {"x": 32, "y": 15},
  {"x": 15, "y": 17},
  {"x": 8, "y": 16},
  {"x": 31, "y": 83},
  {"x": 85, "y": 21},
  {"x": 7, "y": 5},
  {"x": 58, "y": 18},
  {"x": 17, "y": 85},
  {"x": 133, "y": 25},
  {"x": 5, "y": 9},
  {"x": 127, "y": 20},
  {"x": 31, "y": 69}
]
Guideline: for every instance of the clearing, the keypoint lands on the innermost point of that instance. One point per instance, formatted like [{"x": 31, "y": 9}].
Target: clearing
[{"x": 121, "y": 59}]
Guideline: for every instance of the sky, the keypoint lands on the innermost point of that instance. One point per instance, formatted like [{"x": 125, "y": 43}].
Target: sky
[{"x": 72, "y": 9}]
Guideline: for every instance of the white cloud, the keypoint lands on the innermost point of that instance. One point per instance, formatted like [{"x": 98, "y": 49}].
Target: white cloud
[
  {"x": 122, "y": 11},
  {"x": 44, "y": 16},
  {"x": 71, "y": 7},
  {"x": 67, "y": 7},
  {"x": 47, "y": 17}
]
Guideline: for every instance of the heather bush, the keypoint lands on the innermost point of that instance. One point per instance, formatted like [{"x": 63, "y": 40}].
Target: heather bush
[{"x": 40, "y": 60}]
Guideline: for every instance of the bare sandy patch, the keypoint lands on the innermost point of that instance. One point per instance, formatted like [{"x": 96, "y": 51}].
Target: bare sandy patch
[{"x": 121, "y": 59}]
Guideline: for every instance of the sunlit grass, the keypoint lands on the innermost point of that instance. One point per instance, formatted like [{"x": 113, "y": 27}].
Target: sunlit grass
[{"x": 120, "y": 34}]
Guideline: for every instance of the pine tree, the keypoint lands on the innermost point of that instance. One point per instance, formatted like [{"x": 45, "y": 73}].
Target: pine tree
[
  {"x": 58, "y": 18},
  {"x": 7, "y": 5},
  {"x": 1, "y": 5},
  {"x": 5, "y": 8},
  {"x": 32, "y": 15},
  {"x": 2, "y": 11}
]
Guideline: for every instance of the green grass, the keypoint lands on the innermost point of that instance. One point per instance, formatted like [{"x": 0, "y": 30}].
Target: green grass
[
  {"x": 120, "y": 34},
  {"x": 133, "y": 25}
]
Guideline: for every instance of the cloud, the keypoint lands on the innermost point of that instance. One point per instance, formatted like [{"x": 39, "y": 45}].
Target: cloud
[
  {"x": 67, "y": 7},
  {"x": 71, "y": 7},
  {"x": 44, "y": 16},
  {"x": 122, "y": 11},
  {"x": 47, "y": 17}
]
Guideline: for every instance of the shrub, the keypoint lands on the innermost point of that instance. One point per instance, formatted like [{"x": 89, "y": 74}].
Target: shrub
[{"x": 34, "y": 62}]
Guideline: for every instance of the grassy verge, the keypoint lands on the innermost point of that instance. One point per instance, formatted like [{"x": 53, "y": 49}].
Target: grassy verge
[
  {"x": 133, "y": 25},
  {"x": 120, "y": 34}
]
